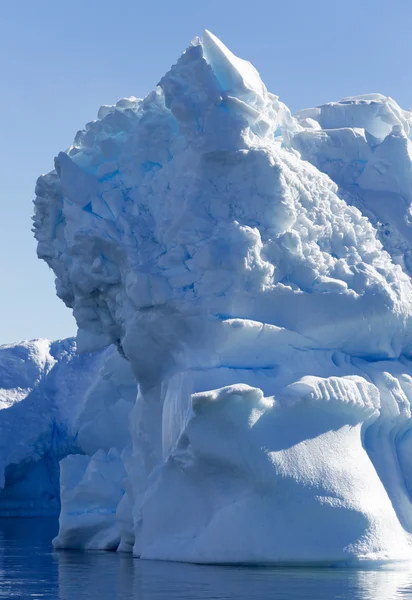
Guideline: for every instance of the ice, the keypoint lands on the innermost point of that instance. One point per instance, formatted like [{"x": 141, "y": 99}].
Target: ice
[
  {"x": 254, "y": 270},
  {"x": 278, "y": 480},
  {"x": 55, "y": 402},
  {"x": 103, "y": 421},
  {"x": 364, "y": 145},
  {"x": 235, "y": 75},
  {"x": 91, "y": 491},
  {"x": 41, "y": 384}
]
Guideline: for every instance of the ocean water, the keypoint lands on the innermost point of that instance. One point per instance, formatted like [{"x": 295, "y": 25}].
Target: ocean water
[{"x": 30, "y": 569}]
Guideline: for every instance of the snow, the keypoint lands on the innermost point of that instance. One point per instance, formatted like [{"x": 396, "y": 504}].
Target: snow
[{"x": 253, "y": 267}]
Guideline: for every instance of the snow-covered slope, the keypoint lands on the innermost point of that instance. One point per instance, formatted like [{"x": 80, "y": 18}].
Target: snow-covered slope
[
  {"x": 219, "y": 243},
  {"x": 46, "y": 389}
]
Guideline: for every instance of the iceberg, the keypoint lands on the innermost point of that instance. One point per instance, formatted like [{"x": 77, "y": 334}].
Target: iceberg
[{"x": 237, "y": 258}]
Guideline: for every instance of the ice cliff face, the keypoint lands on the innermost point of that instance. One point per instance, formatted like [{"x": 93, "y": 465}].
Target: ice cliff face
[{"x": 238, "y": 258}]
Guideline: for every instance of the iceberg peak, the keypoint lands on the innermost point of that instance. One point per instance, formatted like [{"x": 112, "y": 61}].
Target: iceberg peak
[
  {"x": 220, "y": 101},
  {"x": 235, "y": 75}
]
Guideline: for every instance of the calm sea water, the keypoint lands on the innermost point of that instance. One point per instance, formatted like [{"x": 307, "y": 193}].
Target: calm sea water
[{"x": 30, "y": 569}]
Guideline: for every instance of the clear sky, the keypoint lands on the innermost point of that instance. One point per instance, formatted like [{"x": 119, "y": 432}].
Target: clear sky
[{"x": 61, "y": 59}]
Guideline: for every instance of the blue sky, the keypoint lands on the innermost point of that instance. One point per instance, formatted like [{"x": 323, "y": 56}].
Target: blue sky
[{"x": 61, "y": 59}]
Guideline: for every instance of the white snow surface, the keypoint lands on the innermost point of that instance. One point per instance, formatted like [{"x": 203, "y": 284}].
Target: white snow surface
[{"x": 253, "y": 267}]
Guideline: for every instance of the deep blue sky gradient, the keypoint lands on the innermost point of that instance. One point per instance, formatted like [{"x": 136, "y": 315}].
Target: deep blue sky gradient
[{"x": 61, "y": 59}]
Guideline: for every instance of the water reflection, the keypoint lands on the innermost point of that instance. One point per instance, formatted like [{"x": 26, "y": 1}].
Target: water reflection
[
  {"x": 145, "y": 580},
  {"x": 30, "y": 569}
]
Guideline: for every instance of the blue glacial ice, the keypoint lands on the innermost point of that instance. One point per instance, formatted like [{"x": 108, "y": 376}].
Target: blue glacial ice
[
  {"x": 253, "y": 267},
  {"x": 50, "y": 399}
]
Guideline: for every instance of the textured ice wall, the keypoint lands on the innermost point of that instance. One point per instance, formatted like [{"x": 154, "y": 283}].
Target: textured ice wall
[
  {"x": 42, "y": 385},
  {"x": 364, "y": 145},
  {"x": 188, "y": 229},
  {"x": 50, "y": 399}
]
